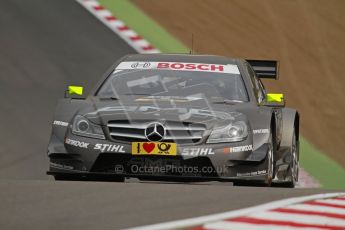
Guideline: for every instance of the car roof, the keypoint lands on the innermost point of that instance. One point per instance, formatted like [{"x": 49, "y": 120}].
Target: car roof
[{"x": 191, "y": 58}]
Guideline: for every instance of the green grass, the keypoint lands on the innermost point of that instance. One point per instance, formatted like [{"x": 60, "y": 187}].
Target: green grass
[{"x": 319, "y": 165}]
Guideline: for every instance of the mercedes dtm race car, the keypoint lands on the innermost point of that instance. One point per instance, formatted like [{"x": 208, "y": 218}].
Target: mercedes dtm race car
[{"x": 177, "y": 118}]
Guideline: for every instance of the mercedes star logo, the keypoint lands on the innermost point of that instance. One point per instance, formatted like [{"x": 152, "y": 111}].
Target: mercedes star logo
[{"x": 155, "y": 131}]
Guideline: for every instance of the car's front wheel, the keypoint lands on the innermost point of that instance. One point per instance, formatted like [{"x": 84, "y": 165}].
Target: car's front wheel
[
  {"x": 294, "y": 164},
  {"x": 270, "y": 168},
  {"x": 270, "y": 162}
]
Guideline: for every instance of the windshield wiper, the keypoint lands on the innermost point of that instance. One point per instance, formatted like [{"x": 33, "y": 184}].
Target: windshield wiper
[
  {"x": 108, "y": 98},
  {"x": 227, "y": 101},
  {"x": 139, "y": 94}
]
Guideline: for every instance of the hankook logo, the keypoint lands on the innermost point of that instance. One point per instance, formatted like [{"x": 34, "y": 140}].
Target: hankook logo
[{"x": 155, "y": 131}]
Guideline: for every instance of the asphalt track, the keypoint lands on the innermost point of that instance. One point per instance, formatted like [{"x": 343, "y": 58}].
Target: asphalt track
[{"x": 44, "y": 46}]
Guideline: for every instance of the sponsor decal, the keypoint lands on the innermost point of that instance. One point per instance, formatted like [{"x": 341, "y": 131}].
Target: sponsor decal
[
  {"x": 204, "y": 67},
  {"x": 260, "y": 131},
  {"x": 153, "y": 148},
  {"x": 197, "y": 151},
  {"x": 109, "y": 148},
  {"x": 191, "y": 66},
  {"x": 141, "y": 65},
  {"x": 252, "y": 173},
  {"x": 60, "y": 123},
  {"x": 79, "y": 144},
  {"x": 237, "y": 149}
]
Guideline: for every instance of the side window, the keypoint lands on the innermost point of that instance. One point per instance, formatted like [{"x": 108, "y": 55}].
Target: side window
[
  {"x": 262, "y": 88},
  {"x": 257, "y": 85}
]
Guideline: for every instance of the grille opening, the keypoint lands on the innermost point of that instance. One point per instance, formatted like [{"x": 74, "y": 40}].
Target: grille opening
[{"x": 179, "y": 132}]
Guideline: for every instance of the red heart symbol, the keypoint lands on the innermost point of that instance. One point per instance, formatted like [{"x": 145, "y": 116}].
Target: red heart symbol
[{"x": 148, "y": 147}]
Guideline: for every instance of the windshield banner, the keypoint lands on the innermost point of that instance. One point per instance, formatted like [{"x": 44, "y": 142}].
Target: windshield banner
[{"x": 203, "y": 67}]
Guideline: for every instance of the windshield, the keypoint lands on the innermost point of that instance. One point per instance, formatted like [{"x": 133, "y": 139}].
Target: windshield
[{"x": 173, "y": 83}]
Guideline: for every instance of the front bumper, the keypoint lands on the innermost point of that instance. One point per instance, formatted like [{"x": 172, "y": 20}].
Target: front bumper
[{"x": 227, "y": 161}]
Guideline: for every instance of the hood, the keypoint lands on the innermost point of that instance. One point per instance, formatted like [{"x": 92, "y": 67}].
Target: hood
[{"x": 187, "y": 110}]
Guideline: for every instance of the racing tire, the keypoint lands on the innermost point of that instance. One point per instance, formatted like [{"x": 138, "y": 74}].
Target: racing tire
[
  {"x": 270, "y": 168},
  {"x": 270, "y": 161},
  {"x": 294, "y": 165}
]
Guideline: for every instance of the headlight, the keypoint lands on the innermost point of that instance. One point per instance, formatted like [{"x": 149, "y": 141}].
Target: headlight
[
  {"x": 82, "y": 127},
  {"x": 236, "y": 131}
]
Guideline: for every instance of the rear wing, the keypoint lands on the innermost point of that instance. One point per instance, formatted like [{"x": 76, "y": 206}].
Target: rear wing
[{"x": 265, "y": 68}]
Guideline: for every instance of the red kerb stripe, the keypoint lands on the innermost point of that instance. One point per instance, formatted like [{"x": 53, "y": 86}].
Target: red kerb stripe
[
  {"x": 98, "y": 8},
  {"x": 306, "y": 212},
  {"x": 281, "y": 223},
  {"x": 122, "y": 28},
  {"x": 317, "y": 203},
  {"x": 149, "y": 47},
  {"x": 136, "y": 38},
  {"x": 110, "y": 18}
]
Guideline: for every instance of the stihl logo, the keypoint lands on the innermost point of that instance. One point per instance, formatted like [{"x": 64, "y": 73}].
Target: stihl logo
[{"x": 190, "y": 66}]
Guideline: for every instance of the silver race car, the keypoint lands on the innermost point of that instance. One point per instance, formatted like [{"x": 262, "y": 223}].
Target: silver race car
[{"x": 177, "y": 118}]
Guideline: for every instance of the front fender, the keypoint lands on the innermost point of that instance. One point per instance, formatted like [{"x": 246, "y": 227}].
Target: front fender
[
  {"x": 260, "y": 121},
  {"x": 64, "y": 113},
  {"x": 290, "y": 122}
]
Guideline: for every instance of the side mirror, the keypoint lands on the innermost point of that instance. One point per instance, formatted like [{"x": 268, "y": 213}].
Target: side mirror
[
  {"x": 274, "y": 100},
  {"x": 75, "y": 92}
]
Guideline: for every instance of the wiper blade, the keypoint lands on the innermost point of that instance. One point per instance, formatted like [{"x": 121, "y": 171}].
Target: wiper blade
[
  {"x": 140, "y": 94},
  {"x": 108, "y": 98},
  {"x": 227, "y": 101}
]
